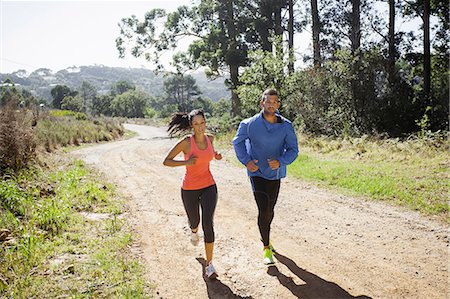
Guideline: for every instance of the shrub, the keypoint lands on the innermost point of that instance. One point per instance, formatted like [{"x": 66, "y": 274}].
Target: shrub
[{"x": 17, "y": 146}]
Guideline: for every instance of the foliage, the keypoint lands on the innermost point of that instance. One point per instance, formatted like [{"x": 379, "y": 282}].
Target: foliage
[
  {"x": 59, "y": 92},
  {"x": 88, "y": 93},
  {"x": 180, "y": 90},
  {"x": 131, "y": 103},
  {"x": 17, "y": 146},
  {"x": 71, "y": 128},
  {"x": 101, "y": 105},
  {"x": 410, "y": 173},
  {"x": 10, "y": 92},
  {"x": 75, "y": 103},
  {"x": 121, "y": 87},
  {"x": 49, "y": 234}
]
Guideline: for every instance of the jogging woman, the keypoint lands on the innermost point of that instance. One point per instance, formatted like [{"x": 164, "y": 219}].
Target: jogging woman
[{"x": 198, "y": 187}]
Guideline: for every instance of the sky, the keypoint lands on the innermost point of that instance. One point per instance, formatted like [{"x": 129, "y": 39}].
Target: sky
[{"x": 61, "y": 34}]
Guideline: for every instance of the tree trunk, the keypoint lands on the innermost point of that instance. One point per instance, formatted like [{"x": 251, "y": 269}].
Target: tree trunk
[
  {"x": 265, "y": 25},
  {"x": 316, "y": 33},
  {"x": 235, "y": 101},
  {"x": 355, "y": 34},
  {"x": 291, "y": 36},
  {"x": 278, "y": 32},
  {"x": 426, "y": 51},
  {"x": 234, "y": 67},
  {"x": 392, "y": 49}
]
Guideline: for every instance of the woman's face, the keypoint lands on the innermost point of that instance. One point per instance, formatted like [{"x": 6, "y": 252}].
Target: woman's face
[{"x": 198, "y": 124}]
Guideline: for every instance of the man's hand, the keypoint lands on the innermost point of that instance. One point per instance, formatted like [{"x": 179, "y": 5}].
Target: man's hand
[
  {"x": 251, "y": 165},
  {"x": 273, "y": 164}
]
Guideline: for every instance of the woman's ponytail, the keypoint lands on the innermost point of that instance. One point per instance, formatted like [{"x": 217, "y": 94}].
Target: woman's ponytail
[
  {"x": 181, "y": 121},
  {"x": 178, "y": 122}
]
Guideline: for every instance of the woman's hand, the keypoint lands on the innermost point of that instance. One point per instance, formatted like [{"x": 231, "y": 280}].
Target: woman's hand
[
  {"x": 191, "y": 161},
  {"x": 218, "y": 156}
]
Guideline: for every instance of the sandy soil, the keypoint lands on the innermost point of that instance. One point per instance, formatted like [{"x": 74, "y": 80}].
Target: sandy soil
[{"x": 329, "y": 245}]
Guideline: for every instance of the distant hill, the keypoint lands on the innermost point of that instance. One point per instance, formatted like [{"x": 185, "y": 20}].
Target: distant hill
[{"x": 41, "y": 81}]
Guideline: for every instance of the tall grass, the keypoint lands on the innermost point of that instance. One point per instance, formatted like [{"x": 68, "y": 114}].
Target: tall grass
[{"x": 62, "y": 128}]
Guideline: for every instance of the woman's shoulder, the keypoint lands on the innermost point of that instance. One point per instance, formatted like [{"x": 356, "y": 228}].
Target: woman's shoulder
[
  {"x": 185, "y": 141},
  {"x": 210, "y": 136}
]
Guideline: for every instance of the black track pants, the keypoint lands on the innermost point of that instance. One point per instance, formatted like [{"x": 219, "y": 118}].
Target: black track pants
[
  {"x": 266, "y": 195},
  {"x": 207, "y": 199}
]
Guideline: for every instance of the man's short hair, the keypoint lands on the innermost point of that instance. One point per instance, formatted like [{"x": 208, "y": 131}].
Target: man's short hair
[{"x": 269, "y": 92}]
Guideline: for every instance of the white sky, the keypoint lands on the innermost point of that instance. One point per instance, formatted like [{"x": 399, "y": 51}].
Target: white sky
[{"x": 60, "y": 34}]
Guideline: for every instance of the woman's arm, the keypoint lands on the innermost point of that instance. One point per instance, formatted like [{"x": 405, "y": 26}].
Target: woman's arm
[
  {"x": 217, "y": 155},
  {"x": 181, "y": 146}
]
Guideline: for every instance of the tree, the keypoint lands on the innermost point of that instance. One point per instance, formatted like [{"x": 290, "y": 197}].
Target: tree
[
  {"x": 355, "y": 29},
  {"x": 316, "y": 33},
  {"x": 73, "y": 103},
  {"x": 291, "y": 36},
  {"x": 59, "y": 92},
  {"x": 121, "y": 87},
  {"x": 392, "y": 49},
  {"x": 218, "y": 26},
  {"x": 131, "y": 103},
  {"x": 101, "y": 105},
  {"x": 180, "y": 90},
  {"x": 88, "y": 92}
]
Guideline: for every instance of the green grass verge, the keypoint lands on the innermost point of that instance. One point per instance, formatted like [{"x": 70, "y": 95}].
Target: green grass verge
[
  {"x": 64, "y": 235},
  {"x": 411, "y": 173}
]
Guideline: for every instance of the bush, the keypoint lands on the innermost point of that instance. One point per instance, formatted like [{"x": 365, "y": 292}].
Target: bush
[{"x": 17, "y": 146}]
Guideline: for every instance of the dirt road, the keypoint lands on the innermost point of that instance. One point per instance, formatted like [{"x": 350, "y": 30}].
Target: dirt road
[{"x": 330, "y": 245}]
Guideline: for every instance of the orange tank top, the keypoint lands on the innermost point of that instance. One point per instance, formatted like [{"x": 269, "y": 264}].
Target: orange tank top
[{"x": 198, "y": 176}]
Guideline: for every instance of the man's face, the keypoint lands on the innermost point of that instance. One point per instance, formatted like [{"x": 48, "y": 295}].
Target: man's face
[{"x": 270, "y": 104}]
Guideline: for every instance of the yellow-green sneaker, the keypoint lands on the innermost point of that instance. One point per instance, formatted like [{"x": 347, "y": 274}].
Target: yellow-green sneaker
[
  {"x": 268, "y": 257},
  {"x": 271, "y": 246}
]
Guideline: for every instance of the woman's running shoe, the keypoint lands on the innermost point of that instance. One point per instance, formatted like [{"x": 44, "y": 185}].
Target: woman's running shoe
[
  {"x": 195, "y": 238},
  {"x": 210, "y": 272},
  {"x": 268, "y": 257}
]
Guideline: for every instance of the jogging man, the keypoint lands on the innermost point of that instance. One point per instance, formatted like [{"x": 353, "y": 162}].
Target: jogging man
[{"x": 265, "y": 144}]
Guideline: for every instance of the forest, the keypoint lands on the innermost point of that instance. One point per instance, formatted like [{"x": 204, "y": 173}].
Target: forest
[{"x": 365, "y": 73}]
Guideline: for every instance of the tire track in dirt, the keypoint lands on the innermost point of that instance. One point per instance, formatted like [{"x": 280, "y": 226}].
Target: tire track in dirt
[{"x": 330, "y": 246}]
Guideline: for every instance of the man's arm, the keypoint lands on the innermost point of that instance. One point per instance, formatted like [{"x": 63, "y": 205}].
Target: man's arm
[
  {"x": 291, "y": 146},
  {"x": 239, "y": 143}
]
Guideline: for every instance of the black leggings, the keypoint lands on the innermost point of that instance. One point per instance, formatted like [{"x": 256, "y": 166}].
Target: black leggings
[
  {"x": 207, "y": 199},
  {"x": 266, "y": 195}
]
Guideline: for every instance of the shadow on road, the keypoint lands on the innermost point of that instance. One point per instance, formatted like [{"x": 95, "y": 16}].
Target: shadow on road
[
  {"x": 314, "y": 287},
  {"x": 216, "y": 288}
]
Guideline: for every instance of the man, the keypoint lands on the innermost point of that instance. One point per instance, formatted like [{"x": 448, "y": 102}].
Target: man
[{"x": 265, "y": 144}]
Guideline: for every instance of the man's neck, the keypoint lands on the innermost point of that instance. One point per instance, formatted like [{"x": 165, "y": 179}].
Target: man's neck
[{"x": 271, "y": 118}]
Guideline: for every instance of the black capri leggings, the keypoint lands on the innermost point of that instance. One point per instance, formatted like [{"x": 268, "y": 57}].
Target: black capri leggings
[
  {"x": 207, "y": 199},
  {"x": 266, "y": 195}
]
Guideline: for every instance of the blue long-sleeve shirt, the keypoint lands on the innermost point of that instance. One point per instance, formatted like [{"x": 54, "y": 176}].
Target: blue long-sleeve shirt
[{"x": 257, "y": 139}]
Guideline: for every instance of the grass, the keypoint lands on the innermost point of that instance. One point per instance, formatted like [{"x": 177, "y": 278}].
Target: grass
[
  {"x": 65, "y": 236},
  {"x": 62, "y": 128},
  {"x": 411, "y": 173}
]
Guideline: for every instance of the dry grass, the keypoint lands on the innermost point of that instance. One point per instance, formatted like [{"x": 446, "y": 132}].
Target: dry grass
[{"x": 17, "y": 145}]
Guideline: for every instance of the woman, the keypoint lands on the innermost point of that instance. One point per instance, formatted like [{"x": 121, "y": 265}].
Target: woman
[{"x": 198, "y": 188}]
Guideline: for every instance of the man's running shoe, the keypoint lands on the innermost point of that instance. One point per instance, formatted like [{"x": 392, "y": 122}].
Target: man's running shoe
[
  {"x": 195, "y": 238},
  {"x": 210, "y": 272},
  {"x": 271, "y": 246},
  {"x": 268, "y": 257}
]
